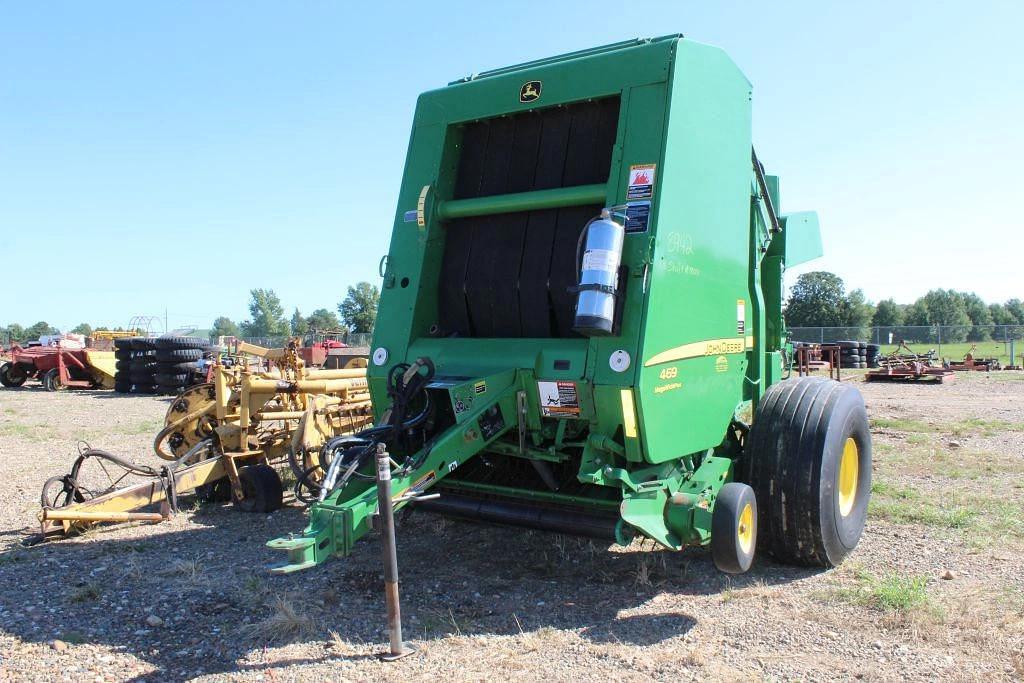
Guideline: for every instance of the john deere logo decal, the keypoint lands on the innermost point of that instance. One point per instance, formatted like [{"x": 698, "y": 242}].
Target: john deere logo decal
[{"x": 530, "y": 91}]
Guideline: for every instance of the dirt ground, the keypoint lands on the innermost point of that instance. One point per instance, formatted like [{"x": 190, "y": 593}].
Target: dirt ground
[{"x": 934, "y": 591}]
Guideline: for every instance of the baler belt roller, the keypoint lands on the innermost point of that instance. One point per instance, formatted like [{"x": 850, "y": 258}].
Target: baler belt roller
[{"x": 544, "y": 518}]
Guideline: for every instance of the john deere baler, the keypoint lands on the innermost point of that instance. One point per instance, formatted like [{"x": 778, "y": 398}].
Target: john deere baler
[{"x": 581, "y": 311}]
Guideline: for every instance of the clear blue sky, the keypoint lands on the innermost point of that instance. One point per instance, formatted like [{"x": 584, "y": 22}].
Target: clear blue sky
[{"x": 176, "y": 154}]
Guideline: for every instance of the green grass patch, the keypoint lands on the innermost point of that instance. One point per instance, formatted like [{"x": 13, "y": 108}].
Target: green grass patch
[
  {"x": 883, "y": 488},
  {"x": 901, "y": 593},
  {"x": 915, "y": 511},
  {"x": 890, "y": 593},
  {"x": 988, "y": 519},
  {"x": 145, "y": 427},
  {"x": 956, "y": 351},
  {"x": 985, "y": 427},
  {"x": 901, "y": 425},
  {"x": 27, "y": 432}
]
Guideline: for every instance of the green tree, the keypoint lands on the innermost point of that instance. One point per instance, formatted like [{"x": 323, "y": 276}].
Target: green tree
[
  {"x": 816, "y": 300},
  {"x": 299, "y": 325},
  {"x": 223, "y": 327},
  {"x": 82, "y": 328},
  {"x": 1015, "y": 307},
  {"x": 981, "y": 317},
  {"x": 38, "y": 330},
  {"x": 856, "y": 310},
  {"x": 944, "y": 308},
  {"x": 13, "y": 333},
  {"x": 1000, "y": 315},
  {"x": 887, "y": 314},
  {"x": 917, "y": 314},
  {"x": 267, "y": 315},
  {"x": 359, "y": 309},
  {"x": 322, "y": 319}
]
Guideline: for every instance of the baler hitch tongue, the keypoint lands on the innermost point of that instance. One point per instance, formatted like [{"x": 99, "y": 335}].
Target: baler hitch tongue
[{"x": 298, "y": 551}]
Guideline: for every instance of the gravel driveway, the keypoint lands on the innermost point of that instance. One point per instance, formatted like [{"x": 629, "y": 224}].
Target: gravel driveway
[{"x": 935, "y": 590}]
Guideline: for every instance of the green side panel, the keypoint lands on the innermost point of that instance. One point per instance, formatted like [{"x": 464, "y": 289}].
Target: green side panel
[
  {"x": 803, "y": 237},
  {"x": 698, "y": 301}
]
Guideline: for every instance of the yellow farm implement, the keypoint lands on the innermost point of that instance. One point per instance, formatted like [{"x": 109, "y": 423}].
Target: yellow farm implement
[{"x": 224, "y": 440}]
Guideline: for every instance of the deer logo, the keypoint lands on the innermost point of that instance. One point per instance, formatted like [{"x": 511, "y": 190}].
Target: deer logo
[{"x": 530, "y": 91}]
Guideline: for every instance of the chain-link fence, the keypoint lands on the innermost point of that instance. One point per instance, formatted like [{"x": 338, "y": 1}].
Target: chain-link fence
[
  {"x": 352, "y": 339},
  {"x": 952, "y": 341}
]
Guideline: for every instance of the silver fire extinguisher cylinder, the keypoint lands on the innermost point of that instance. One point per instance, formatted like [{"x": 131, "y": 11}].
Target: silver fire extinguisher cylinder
[{"x": 599, "y": 276}]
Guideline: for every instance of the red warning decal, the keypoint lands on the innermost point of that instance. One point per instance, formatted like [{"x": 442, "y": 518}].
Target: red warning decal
[{"x": 641, "y": 182}]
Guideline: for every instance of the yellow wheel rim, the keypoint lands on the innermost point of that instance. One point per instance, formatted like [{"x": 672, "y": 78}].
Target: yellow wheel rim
[
  {"x": 849, "y": 469},
  {"x": 745, "y": 528}
]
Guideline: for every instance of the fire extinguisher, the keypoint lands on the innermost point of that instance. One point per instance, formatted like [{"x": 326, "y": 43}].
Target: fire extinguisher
[{"x": 598, "y": 276}]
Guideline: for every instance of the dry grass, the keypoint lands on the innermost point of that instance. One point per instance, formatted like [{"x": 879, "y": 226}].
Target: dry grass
[
  {"x": 285, "y": 624},
  {"x": 191, "y": 570}
]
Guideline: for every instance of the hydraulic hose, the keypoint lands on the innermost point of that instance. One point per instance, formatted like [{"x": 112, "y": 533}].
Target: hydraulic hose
[{"x": 345, "y": 455}]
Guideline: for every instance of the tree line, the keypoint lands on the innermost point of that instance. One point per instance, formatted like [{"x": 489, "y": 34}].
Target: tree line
[
  {"x": 820, "y": 299},
  {"x": 355, "y": 313}
]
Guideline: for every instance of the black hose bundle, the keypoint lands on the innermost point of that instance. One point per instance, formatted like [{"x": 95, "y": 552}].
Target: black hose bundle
[
  {"x": 73, "y": 491},
  {"x": 406, "y": 386}
]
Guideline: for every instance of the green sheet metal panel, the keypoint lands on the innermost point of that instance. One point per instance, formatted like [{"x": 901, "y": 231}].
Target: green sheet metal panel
[
  {"x": 698, "y": 308},
  {"x": 803, "y": 237},
  {"x": 637, "y": 73}
]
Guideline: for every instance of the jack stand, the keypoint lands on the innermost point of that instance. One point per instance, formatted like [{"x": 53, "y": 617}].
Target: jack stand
[{"x": 399, "y": 649}]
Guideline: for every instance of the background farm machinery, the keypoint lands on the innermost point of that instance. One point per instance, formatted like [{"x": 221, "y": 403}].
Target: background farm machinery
[
  {"x": 226, "y": 440},
  {"x": 57, "y": 367}
]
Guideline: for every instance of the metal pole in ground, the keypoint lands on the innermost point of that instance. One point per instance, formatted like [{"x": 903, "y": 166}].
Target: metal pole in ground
[{"x": 386, "y": 514}]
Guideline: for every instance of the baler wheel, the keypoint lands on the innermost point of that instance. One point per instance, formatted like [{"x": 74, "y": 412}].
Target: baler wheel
[
  {"x": 51, "y": 380},
  {"x": 262, "y": 490},
  {"x": 809, "y": 456},
  {"x": 734, "y": 528},
  {"x": 12, "y": 376}
]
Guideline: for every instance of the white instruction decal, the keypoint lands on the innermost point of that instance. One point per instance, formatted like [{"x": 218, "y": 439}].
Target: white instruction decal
[
  {"x": 600, "y": 259},
  {"x": 558, "y": 399}
]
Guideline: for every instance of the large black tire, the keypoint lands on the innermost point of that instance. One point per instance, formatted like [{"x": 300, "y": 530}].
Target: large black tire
[
  {"x": 168, "y": 343},
  {"x": 123, "y": 354},
  {"x": 179, "y": 355},
  {"x": 734, "y": 528},
  {"x": 143, "y": 344},
  {"x": 12, "y": 375},
  {"x": 123, "y": 365},
  {"x": 124, "y": 343},
  {"x": 261, "y": 489},
  {"x": 176, "y": 368},
  {"x": 177, "y": 379},
  {"x": 122, "y": 387},
  {"x": 142, "y": 365},
  {"x": 51, "y": 380},
  {"x": 809, "y": 454},
  {"x": 143, "y": 388}
]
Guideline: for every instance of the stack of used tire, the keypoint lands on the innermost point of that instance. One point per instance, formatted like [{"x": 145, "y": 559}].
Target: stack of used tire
[
  {"x": 176, "y": 362},
  {"x": 873, "y": 352},
  {"x": 123, "y": 356},
  {"x": 852, "y": 354},
  {"x": 142, "y": 365}
]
